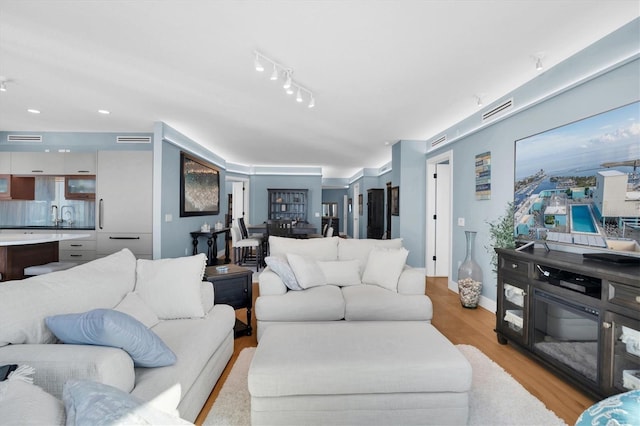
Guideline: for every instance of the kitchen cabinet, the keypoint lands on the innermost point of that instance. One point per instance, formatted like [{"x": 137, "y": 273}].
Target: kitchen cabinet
[
  {"x": 79, "y": 250},
  {"x": 17, "y": 187},
  {"x": 80, "y": 187},
  {"x": 53, "y": 163},
  {"x": 37, "y": 163},
  {"x": 124, "y": 187},
  {"x": 80, "y": 163}
]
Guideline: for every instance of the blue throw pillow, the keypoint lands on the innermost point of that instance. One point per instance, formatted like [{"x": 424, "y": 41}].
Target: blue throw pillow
[
  {"x": 97, "y": 404},
  {"x": 621, "y": 409},
  {"x": 106, "y": 327}
]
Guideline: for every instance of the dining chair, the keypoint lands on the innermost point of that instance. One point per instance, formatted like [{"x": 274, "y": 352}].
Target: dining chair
[{"x": 242, "y": 245}]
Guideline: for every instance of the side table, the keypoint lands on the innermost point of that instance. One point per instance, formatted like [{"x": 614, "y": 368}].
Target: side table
[
  {"x": 212, "y": 244},
  {"x": 233, "y": 288}
]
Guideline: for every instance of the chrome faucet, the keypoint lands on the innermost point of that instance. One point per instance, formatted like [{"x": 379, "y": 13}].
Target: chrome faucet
[
  {"x": 68, "y": 216},
  {"x": 54, "y": 215}
]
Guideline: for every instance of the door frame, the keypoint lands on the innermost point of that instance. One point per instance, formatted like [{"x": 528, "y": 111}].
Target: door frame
[{"x": 430, "y": 237}]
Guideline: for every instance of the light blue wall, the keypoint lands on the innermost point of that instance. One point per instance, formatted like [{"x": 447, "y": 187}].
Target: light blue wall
[
  {"x": 175, "y": 240},
  {"x": 259, "y": 203},
  {"x": 611, "y": 87}
]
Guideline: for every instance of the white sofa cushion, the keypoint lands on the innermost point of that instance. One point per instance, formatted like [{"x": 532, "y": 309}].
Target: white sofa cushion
[
  {"x": 25, "y": 404},
  {"x": 54, "y": 364},
  {"x": 307, "y": 271},
  {"x": 25, "y": 303},
  {"x": 324, "y": 303},
  {"x": 384, "y": 267},
  {"x": 316, "y": 248},
  {"x": 350, "y": 248},
  {"x": 133, "y": 305},
  {"x": 171, "y": 287},
  {"x": 341, "y": 272},
  {"x": 373, "y": 303}
]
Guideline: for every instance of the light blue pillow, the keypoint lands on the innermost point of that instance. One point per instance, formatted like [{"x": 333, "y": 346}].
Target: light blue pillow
[
  {"x": 621, "y": 409},
  {"x": 106, "y": 327},
  {"x": 97, "y": 404},
  {"x": 281, "y": 267}
]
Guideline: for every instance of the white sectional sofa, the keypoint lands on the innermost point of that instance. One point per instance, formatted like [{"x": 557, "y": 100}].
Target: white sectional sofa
[
  {"x": 334, "y": 279},
  {"x": 166, "y": 296}
]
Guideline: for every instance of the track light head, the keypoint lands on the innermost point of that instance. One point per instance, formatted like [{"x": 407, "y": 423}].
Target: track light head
[
  {"x": 3, "y": 86},
  {"x": 287, "y": 82},
  {"x": 274, "y": 74},
  {"x": 312, "y": 102},
  {"x": 258, "y": 64},
  {"x": 299, "y": 96},
  {"x": 539, "y": 64}
]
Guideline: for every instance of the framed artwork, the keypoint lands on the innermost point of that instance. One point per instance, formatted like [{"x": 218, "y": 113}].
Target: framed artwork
[
  {"x": 360, "y": 209},
  {"x": 199, "y": 187},
  {"x": 395, "y": 201}
]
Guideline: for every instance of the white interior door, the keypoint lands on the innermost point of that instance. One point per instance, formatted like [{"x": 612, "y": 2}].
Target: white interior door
[
  {"x": 438, "y": 239},
  {"x": 356, "y": 211}
]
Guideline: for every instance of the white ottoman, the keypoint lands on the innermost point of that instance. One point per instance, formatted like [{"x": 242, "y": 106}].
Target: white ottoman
[{"x": 358, "y": 373}]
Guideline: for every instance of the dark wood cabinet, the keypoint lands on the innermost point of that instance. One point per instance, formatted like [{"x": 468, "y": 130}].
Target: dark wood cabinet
[
  {"x": 233, "y": 287},
  {"x": 375, "y": 213},
  {"x": 288, "y": 204},
  {"x": 578, "y": 317},
  {"x": 17, "y": 187}
]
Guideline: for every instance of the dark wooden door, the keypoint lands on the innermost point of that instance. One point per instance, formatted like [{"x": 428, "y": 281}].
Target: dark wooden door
[{"x": 375, "y": 213}]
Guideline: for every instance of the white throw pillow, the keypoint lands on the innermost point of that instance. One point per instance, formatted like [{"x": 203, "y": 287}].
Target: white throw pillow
[
  {"x": 171, "y": 287},
  {"x": 133, "y": 305},
  {"x": 341, "y": 272},
  {"x": 23, "y": 403},
  {"x": 384, "y": 267},
  {"x": 307, "y": 271}
]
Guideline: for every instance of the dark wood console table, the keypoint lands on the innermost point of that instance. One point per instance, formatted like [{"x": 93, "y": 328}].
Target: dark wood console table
[
  {"x": 212, "y": 243},
  {"x": 572, "y": 314}
]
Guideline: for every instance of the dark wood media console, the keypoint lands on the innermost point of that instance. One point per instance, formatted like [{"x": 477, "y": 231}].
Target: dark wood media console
[{"x": 579, "y": 317}]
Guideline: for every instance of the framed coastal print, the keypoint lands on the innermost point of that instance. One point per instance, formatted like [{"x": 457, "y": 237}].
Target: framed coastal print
[
  {"x": 199, "y": 187},
  {"x": 395, "y": 201},
  {"x": 360, "y": 209}
]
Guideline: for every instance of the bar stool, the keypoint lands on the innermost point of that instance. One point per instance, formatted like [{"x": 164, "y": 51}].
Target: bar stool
[{"x": 240, "y": 245}]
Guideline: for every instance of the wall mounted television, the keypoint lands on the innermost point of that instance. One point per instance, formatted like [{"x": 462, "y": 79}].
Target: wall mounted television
[{"x": 577, "y": 187}]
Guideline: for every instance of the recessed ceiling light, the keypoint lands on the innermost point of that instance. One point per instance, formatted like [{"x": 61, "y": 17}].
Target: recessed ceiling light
[
  {"x": 104, "y": 111},
  {"x": 33, "y": 111}
]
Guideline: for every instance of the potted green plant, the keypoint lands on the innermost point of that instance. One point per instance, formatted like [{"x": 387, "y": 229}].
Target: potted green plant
[{"x": 501, "y": 234}]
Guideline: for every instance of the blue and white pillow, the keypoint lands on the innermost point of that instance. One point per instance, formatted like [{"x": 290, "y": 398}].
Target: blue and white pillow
[
  {"x": 107, "y": 327},
  {"x": 96, "y": 404},
  {"x": 282, "y": 268},
  {"x": 621, "y": 409}
]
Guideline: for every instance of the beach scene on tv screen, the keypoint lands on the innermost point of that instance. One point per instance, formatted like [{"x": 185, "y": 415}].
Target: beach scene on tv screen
[{"x": 579, "y": 184}]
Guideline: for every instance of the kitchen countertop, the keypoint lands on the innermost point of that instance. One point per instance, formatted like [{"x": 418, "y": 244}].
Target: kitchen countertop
[
  {"x": 53, "y": 228},
  {"x": 25, "y": 239}
]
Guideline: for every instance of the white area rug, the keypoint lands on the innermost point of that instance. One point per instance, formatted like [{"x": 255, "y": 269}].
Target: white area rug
[{"x": 496, "y": 397}]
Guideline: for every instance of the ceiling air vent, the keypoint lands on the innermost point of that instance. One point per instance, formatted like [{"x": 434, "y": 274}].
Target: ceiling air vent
[
  {"x": 438, "y": 141},
  {"x": 492, "y": 113},
  {"x": 133, "y": 139},
  {"x": 24, "y": 138}
]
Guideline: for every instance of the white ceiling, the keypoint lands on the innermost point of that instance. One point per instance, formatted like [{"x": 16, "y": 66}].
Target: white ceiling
[{"x": 381, "y": 71}]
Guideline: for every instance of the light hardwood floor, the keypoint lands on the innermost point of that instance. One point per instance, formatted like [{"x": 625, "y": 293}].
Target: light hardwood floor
[{"x": 471, "y": 327}]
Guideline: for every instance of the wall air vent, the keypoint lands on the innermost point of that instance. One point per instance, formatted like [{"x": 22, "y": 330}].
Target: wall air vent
[
  {"x": 438, "y": 141},
  {"x": 497, "y": 110},
  {"x": 24, "y": 138},
  {"x": 133, "y": 139}
]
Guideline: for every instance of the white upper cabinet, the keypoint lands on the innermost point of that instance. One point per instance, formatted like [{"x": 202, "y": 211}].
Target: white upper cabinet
[
  {"x": 37, "y": 163},
  {"x": 80, "y": 163},
  {"x": 5, "y": 163}
]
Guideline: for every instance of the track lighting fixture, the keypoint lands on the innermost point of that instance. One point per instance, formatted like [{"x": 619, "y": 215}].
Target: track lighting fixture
[
  {"x": 539, "y": 64},
  {"x": 3, "y": 86},
  {"x": 290, "y": 85},
  {"x": 479, "y": 101}
]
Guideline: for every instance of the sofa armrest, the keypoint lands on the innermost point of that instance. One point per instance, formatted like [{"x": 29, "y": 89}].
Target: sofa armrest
[
  {"x": 56, "y": 363},
  {"x": 270, "y": 283},
  {"x": 412, "y": 281},
  {"x": 207, "y": 294}
]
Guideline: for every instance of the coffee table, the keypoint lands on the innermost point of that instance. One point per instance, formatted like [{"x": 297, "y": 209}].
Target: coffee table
[{"x": 233, "y": 288}]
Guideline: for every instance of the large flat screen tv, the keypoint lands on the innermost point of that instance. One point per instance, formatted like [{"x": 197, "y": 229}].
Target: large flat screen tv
[{"x": 577, "y": 187}]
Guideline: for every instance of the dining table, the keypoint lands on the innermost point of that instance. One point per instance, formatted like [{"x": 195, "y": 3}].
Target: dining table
[{"x": 299, "y": 230}]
